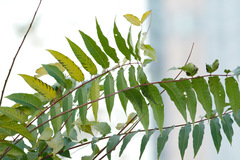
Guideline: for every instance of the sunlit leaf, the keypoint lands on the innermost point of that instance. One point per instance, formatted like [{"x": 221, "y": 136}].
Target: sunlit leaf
[
  {"x": 133, "y": 19},
  {"x": 109, "y": 89},
  {"x": 147, "y": 61},
  {"x": 14, "y": 151},
  {"x": 162, "y": 139},
  {"x": 14, "y": 114},
  {"x": 94, "y": 95},
  {"x": 175, "y": 95},
  {"x": 137, "y": 46},
  {"x": 73, "y": 70},
  {"x": 149, "y": 51},
  {"x": 233, "y": 94},
  {"x": 198, "y": 132},
  {"x": 145, "y": 15},
  {"x": 46, "y": 134},
  {"x": 41, "y": 87},
  {"x": 216, "y": 134},
  {"x": 95, "y": 50},
  {"x": 111, "y": 52},
  {"x": 86, "y": 62},
  {"x": 121, "y": 43},
  {"x": 144, "y": 141},
  {"x": 201, "y": 88},
  {"x": 112, "y": 142},
  {"x": 227, "y": 127},
  {"x": 183, "y": 138}
]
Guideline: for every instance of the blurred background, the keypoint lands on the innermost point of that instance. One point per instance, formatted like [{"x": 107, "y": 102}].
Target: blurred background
[{"x": 213, "y": 26}]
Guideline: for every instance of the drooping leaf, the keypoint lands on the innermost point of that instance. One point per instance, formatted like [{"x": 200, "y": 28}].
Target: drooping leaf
[
  {"x": 112, "y": 142},
  {"x": 175, "y": 95},
  {"x": 46, "y": 134},
  {"x": 44, "y": 89},
  {"x": 146, "y": 62},
  {"x": 227, "y": 126},
  {"x": 233, "y": 94},
  {"x": 215, "y": 132},
  {"x": 121, "y": 43},
  {"x": 132, "y": 77},
  {"x": 190, "y": 97},
  {"x": 102, "y": 127},
  {"x": 122, "y": 84},
  {"x": 137, "y": 46},
  {"x": 26, "y": 99},
  {"x": 41, "y": 71},
  {"x": 14, "y": 114},
  {"x": 183, "y": 138},
  {"x": 56, "y": 143},
  {"x": 130, "y": 43},
  {"x": 73, "y": 70},
  {"x": 213, "y": 67},
  {"x": 19, "y": 129},
  {"x": 67, "y": 105},
  {"x": 237, "y": 118},
  {"x": 218, "y": 92},
  {"x": 144, "y": 141},
  {"x": 201, "y": 88},
  {"x": 149, "y": 51},
  {"x": 56, "y": 122},
  {"x": 57, "y": 75},
  {"x": 82, "y": 99},
  {"x": 145, "y": 15},
  {"x": 94, "y": 95},
  {"x": 130, "y": 118},
  {"x": 111, "y": 52},
  {"x": 190, "y": 69},
  {"x": 14, "y": 151},
  {"x": 152, "y": 94},
  {"x": 109, "y": 89},
  {"x": 132, "y": 19},
  {"x": 162, "y": 139},
  {"x": 198, "y": 132},
  {"x": 95, "y": 50},
  {"x": 126, "y": 140},
  {"x": 139, "y": 105},
  {"x": 86, "y": 62}
]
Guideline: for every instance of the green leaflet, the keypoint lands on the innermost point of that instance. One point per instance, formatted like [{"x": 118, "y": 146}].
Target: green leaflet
[
  {"x": 19, "y": 129},
  {"x": 186, "y": 87},
  {"x": 175, "y": 95},
  {"x": 213, "y": 67},
  {"x": 198, "y": 132},
  {"x": 86, "y": 62},
  {"x": 111, "y": 52},
  {"x": 7, "y": 132},
  {"x": 201, "y": 88},
  {"x": 82, "y": 99},
  {"x": 121, "y": 44},
  {"x": 14, "y": 151},
  {"x": 152, "y": 94},
  {"x": 44, "y": 89},
  {"x": 130, "y": 43},
  {"x": 183, "y": 138},
  {"x": 26, "y": 99},
  {"x": 56, "y": 122},
  {"x": 95, "y": 50},
  {"x": 40, "y": 120},
  {"x": 73, "y": 70},
  {"x": 109, "y": 89},
  {"x": 144, "y": 141},
  {"x": 111, "y": 144},
  {"x": 233, "y": 94},
  {"x": 95, "y": 149},
  {"x": 46, "y": 134},
  {"x": 56, "y": 143},
  {"x": 57, "y": 75},
  {"x": 132, "y": 77},
  {"x": 67, "y": 105},
  {"x": 102, "y": 127},
  {"x": 227, "y": 127},
  {"x": 126, "y": 140},
  {"x": 218, "y": 92},
  {"x": 94, "y": 95},
  {"x": 162, "y": 139},
  {"x": 137, "y": 46},
  {"x": 122, "y": 84},
  {"x": 237, "y": 118},
  {"x": 139, "y": 105},
  {"x": 216, "y": 134},
  {"x": 14, "y": 114}
]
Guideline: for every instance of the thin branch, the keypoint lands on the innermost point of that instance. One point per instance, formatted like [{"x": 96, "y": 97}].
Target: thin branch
[{"x": 10, "y": 70}]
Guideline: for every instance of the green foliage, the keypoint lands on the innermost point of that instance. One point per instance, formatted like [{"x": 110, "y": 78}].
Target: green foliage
[{"x": 61, "y": 110}]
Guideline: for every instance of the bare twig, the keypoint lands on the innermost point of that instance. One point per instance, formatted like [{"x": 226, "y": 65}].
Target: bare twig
[{"x": 10, "y": 69}]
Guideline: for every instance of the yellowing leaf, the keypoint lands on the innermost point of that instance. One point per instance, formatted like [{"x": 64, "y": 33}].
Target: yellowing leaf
[
  {"x": 42, "y": 71},
  {"x": 145, "y": 15},
  {"x": 132, "y": 19},
  {"x": 73, "y": 70},
  {"x": 41, "y": 87}
]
